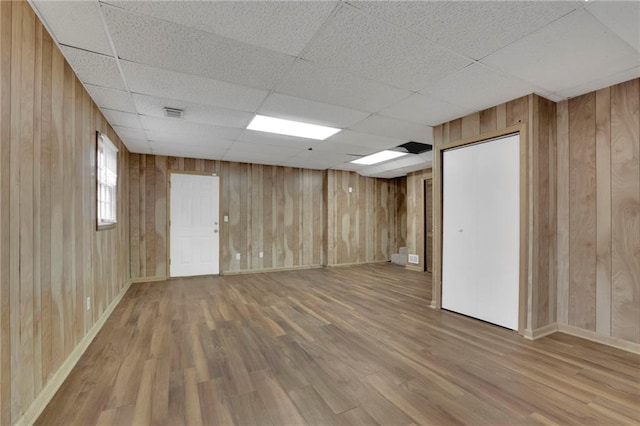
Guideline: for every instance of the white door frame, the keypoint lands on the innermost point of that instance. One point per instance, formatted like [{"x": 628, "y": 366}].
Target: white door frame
[{"x": 169, "y": 173}]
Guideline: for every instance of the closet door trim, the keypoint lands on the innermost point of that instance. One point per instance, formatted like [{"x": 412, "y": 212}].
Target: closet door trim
[{"x": 524, "y": 215}]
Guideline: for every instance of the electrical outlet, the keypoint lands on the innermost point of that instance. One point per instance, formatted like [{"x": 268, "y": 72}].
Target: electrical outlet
[
  {"x": 414, "y": 258},
  {"x": 237, "y": 256},
  {"x": 350, "y": 189},
  {"x": 89, "y": 303},
  {"x": 261, "y": 255},
  {"x": 226, "y": 218}
]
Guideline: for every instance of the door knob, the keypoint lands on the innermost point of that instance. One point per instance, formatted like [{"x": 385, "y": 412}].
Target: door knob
[{"x": 215, "y": 231}]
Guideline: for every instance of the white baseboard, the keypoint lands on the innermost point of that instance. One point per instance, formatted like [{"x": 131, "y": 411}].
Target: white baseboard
[{"x": 49, "y": 390}]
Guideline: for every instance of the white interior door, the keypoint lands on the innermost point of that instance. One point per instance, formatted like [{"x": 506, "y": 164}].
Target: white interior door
[
  {"x": 481, "y": 231},
  {"x": 194, "y": 230}
]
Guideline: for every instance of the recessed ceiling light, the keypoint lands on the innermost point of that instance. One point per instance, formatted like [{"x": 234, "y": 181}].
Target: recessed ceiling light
[
  {"x": 291, "y": 128},
  {"x": 378, "y": 157}
]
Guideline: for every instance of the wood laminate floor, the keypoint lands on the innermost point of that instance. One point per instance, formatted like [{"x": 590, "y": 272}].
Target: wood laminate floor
[{"x": 355, "y": 345}]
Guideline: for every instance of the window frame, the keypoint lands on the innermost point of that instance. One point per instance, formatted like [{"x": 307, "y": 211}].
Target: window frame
[{"x": 106, "y": 150}]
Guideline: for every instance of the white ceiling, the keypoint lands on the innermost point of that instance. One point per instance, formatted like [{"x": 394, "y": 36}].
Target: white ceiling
[{"x": 384, "y": 71}]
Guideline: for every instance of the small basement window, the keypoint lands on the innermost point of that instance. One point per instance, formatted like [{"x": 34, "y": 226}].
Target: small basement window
[{"x": 107, "y": 179}]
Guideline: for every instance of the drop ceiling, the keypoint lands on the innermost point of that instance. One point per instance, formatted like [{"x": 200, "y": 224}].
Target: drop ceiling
[{"x": 384, "y": 72}]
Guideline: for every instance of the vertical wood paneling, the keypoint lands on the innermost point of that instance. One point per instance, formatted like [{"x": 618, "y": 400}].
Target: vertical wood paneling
[
  {"x": 603, "y": 210},
  {"x": 160, "y": 218},
  {"x": 415, "y": 215},
  {"x": 49, "y": 258},
  {"x": 134, "y": 215},
  {"x": 517, "y": 111},
  {"x": 539, "y": 115},
  {"x": 360, "y": 227},
  {"x": 582, "y": 219},
  {"x": 488, "y": 120},
  {"x": 470, "y": 125},
  {"x": 543, "y": 210},
  {"x": 562, "y": 236},
  {"x": 5, "y": 182},
  {"x": 625, "y": 207},
  {"x": 274, "y": 210},
  {"x": 400, "y": 219}
]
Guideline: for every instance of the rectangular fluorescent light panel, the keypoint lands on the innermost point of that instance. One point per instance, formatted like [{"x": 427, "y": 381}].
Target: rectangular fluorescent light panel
[
  {"x": 291, "y": 128},
  {"x": 379, "y": 157}
]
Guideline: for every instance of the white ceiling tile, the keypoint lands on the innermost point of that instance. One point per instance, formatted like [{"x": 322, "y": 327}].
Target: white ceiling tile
[
  {"x": 425, "y": 109},
  {"x": 572, "y": 51},
  {"x": 187, "y": 152},
  {"x": 187, "y": 148},
  {"x": 474, "y": 29},
  {"x": 351, "y": 167},
  {"x": 272, "y": 139},
  {"x": 321, "y": 84},
  {"x": 158, "y": 82},
  {"x": 621, "y": 17},
  {"x": 292, "y": 108},
  {"x": 76, "y": 24},
  {"x": 374, "y": 142},
  {"x": 111, "y": 99},
  {"x": 477, "y": 87},
  {"x": 167, "y": 45},
  {"x": 616, "y": 78},
  {"x": 119, "y": 118},
  {"x": 318, "y": 161},
  {"x": 291, "y": 148},
  {"x": 344, "y": 148},
  {"x": 127, "y": 133},
  {"x": 195, "y": 142},
  {"x": 275, "y": 158},
  {"x": 395, "y": 128},
  {"x": 206, "y": 114},
  {"x": 281, "y": 26},
  {"x": 137, "y": 146},
  {"x": 369, "y": 47},
  {"x": 188, "y": 129},
  {"x": 92, "y": 68}
]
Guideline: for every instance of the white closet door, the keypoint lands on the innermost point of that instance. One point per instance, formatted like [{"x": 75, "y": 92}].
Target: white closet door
[
  {"x": 194, "y": 229},
  {"x": 481, "y": 229}
]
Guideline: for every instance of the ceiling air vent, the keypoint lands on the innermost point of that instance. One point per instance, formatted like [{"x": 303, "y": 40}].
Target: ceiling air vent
[
  {"x": 416, "y": 147},
  {"x": 173, "y": 112}
]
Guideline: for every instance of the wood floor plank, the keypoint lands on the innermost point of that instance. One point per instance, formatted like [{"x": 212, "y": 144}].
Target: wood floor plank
[{"x": 353, "y": 345}]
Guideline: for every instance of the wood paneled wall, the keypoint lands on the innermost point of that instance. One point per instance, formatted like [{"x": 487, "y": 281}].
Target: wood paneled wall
[
  {"x": 51, "y": 256},
  {"x": 401, "y": 213},
  {"x": 362, "y": 225},
  {"x": 539, "y": 115},
  {"x": 416, "y": 216},
  {"x": 276, "y": 210},
  {"x": 599, "y": 211}
]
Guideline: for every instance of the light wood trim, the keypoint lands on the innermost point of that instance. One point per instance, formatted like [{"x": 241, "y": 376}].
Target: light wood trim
[
  {"x": 615, "y": 342},
  {"x": 220, "y": 219},
  {"x": 49, "y": 390},
  {"x": 138, "y": 280},
  {"x": 541, "y": 332},
  {"x": 483, "y": 137},
  {"x": 342, "y": 265},
  {"x": 416, "y": 268},
  {"x": 524, "y": 216},
  {"x": 269, "y": 270},
  {"x": 524, "y": 231}
]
